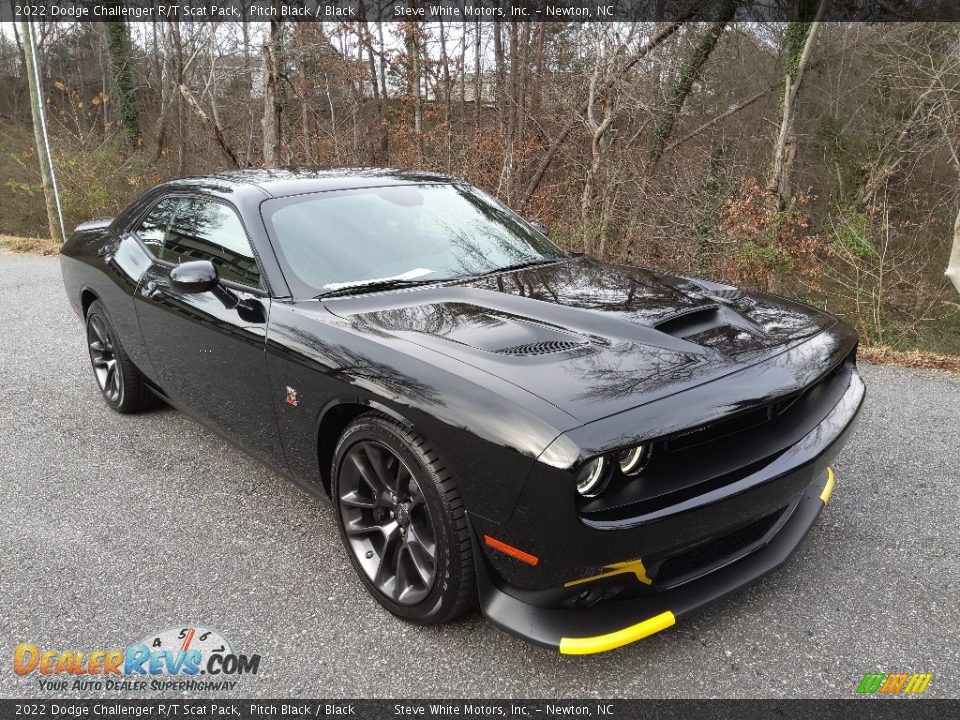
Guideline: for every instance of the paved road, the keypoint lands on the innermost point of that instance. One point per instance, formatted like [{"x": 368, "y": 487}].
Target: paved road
[{"x": 113, "y": 527}]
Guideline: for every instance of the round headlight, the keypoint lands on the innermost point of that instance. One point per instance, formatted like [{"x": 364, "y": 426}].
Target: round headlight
[
  {"x": 593, "y": 478},
  {"x": 633, "y": 460}
]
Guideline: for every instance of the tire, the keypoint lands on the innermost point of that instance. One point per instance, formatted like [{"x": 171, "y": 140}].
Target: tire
[
  {"x": 391, "y": 514},
  {"x": 119, "y": 380}
]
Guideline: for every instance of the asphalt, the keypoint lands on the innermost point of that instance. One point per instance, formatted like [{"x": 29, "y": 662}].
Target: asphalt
[{"x": 116, "y": 526}]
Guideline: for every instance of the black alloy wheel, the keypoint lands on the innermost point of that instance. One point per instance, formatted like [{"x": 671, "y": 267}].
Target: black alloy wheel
[
  {"x": 387, "y": 522},
  {"x": 107, "y": 370},
  {"x": 120, "y": 382},
  {"x": 402, "y": 522}
]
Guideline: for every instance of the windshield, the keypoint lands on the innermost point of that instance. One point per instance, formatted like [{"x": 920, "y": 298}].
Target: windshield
[{"x": 337, "y": 239}]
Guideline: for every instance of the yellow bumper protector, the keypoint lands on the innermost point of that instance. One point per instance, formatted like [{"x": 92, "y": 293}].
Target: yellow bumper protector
[
  {"x": 631, "y": 567},
  {"x": 828, "y": 488},
  {"x": 611, "y": 641}
]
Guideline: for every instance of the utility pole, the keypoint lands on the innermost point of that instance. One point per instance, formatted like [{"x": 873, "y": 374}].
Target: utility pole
[{"x": 50, "y": 195}]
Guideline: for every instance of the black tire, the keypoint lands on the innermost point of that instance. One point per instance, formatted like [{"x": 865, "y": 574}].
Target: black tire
[
  {"x": 411, "y": 486},
  {"x": 120, "y": 382}
]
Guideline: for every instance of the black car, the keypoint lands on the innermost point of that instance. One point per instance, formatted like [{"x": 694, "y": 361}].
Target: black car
[{"x": 590, "y": 450}]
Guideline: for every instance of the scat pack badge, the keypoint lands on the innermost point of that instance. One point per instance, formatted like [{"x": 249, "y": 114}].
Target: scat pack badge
[
  {"x": 168, "y": 660},
  {"x": 292, "y": 397}
]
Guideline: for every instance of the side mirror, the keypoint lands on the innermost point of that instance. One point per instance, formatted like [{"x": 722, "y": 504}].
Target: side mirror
[
  {"x": 540, "y": 226},
  {"x": 197, "y": 276}
]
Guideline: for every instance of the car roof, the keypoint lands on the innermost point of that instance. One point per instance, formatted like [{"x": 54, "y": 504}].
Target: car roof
[{"x": 281, "y": 182}]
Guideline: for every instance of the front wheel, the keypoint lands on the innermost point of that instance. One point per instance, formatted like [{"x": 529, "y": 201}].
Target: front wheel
[
  {"x": 402, "y": 521},
  {"x": 120, "y": 382}
]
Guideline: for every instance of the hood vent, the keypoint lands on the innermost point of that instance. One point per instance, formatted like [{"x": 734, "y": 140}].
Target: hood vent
[
  {"x": 692, "y": 321},
  {"x": 544, "y": 347}
]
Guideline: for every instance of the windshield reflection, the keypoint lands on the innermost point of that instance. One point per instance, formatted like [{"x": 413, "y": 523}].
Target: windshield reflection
[{"x": 336, "y": 239}]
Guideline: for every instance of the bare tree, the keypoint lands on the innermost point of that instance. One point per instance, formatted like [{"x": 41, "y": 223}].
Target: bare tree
[
  {"x": 659, "y": 37},
  {"x": 272, "y": 106},
  {"x": 684, "y": 82},
  {"x": 799, "y": 35}
]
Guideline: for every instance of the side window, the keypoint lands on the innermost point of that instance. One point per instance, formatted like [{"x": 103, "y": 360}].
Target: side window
[
  {"x": 205, "y": 229},
  {"x": 153, "y": 229}
]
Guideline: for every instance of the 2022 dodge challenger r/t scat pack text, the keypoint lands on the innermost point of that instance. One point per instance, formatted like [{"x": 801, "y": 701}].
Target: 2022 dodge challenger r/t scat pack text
[{"x": 588, "y": 450}]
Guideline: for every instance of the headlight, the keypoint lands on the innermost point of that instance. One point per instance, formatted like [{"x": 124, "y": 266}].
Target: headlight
[
  {"x": 593, "y": 477},
  {"x": 633, "y": 460}
]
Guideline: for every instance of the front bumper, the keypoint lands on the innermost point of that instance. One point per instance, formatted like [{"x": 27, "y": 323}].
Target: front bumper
[
  {"x": 629, "y": 605},
  {"x": 612, "y": 625}
]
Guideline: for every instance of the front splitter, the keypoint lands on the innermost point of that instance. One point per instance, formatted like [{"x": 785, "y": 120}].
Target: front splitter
[{"x": 610, "y": 625}]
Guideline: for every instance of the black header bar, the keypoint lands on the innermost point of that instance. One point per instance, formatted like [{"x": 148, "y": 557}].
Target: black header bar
[
  {"x": 255, "y": 709},
  {"x": 467, "y": 10}
]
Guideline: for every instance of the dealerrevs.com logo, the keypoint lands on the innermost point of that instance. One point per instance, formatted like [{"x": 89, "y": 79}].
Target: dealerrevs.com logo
[{"x": 186, "y": 658}]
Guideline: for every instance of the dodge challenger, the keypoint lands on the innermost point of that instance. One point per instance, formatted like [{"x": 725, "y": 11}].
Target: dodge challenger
[{"x": 587, "y": 451}]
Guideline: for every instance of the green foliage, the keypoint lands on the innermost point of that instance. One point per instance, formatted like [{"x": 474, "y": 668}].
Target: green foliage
[
  {"x": 843, "y": 154},
  {"x": 23, "y": 188},
  {"x": 95, "y": 180},
  {"x": 106, "y": 178},
  {"x": 121, "y": 67},
  {"x": 716, "y": 190},
  {"x": 941, "y": 335},
  {"x": 793, "y": 42},
  {"x": 850, "y": 235},
  {"x": 767, "y": 255},
  {"x": 830, "y": 134}
]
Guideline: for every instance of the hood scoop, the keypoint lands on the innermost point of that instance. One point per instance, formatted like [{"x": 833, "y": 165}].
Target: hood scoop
[
  {"x": 691, "y": 321},
  {"x": 710, "y": 325},
  {"x": 543, "y": 347}
]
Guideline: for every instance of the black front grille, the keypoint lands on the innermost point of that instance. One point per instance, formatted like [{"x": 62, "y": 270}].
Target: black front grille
[
  {"x": 730, "y": 426},
  {"x": 705, "y": 458},
  {"x": 716, "y": 553}
]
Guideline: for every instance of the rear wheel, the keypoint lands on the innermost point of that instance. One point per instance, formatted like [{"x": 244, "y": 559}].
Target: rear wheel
[
  {"x": 402, "y": 521},
  {"x": 121, "y": 384}
]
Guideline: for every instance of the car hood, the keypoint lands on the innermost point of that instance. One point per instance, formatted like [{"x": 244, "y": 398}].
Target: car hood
[{"x": 593, "y": 339}]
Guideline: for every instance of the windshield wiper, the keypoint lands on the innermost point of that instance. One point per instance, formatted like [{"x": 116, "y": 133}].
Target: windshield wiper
[
  {"x": 521, "y": 266},
  {"x": 366, "y": 287}
]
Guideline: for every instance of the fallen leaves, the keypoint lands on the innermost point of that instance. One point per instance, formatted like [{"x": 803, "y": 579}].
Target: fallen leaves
[{"x": 886, "y": 355}]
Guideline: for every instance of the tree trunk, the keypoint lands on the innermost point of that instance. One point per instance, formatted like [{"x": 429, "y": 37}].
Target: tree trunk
[
  {"x": 447, "y": 95},
  {"x": 505, "y": 185},
  {"x": 214, "y": 123},
  {"x": 499, "y": 70},
  {"x": 522, "y": 83},
  {"x": 167, "y": 94},
  {"x": 681, "y": 88},
  {"x": 598, "y": 149},
  {"x": 477, "y": 78},
  {"x": 382, "y": 150},
  {"x": 120, "y": 50},
  {"x": 40, "y": 135},
  {"x": 953, "y": 268},
  {"x": 785, "y": 149},
  {"x": 540, "y": 45},
  {"x": 412, "y": 42},
  {"x": 272, "y": 107}
]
